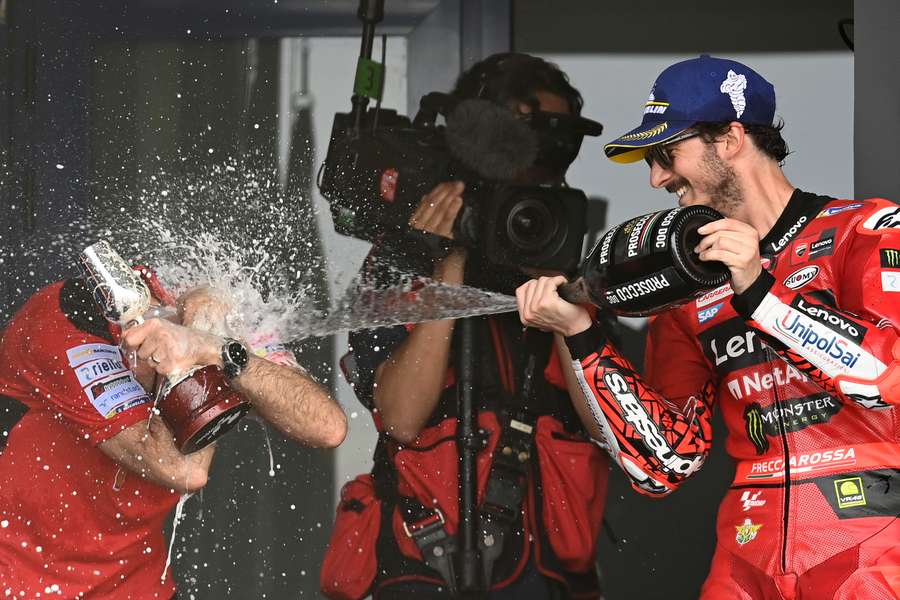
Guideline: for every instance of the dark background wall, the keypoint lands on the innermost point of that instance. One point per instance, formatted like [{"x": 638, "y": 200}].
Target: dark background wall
[{"x": 877, "y": 92}]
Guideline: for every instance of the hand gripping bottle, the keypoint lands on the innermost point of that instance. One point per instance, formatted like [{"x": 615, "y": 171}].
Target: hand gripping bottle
[
  {"x": 648, "y": 264},
  {"x": 198, "y": 406}
]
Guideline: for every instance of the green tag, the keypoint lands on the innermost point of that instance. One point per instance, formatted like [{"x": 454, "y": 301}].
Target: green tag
[{"x": 369, "y": 79}]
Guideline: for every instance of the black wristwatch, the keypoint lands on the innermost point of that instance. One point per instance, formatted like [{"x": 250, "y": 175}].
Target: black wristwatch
[{"x": 234, "y": 358}]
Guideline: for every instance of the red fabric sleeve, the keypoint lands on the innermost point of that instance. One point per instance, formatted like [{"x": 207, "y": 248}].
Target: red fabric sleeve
[
  {"x": 852, "y": 349},
  {"x": 657, "y": 443},
  {"x": 49, "y": 364}
]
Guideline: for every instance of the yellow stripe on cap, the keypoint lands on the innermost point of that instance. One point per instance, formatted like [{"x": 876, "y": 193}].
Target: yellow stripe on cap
[
  {"x": 635, "y": 152},
  {"x": 629, "y": 156}
]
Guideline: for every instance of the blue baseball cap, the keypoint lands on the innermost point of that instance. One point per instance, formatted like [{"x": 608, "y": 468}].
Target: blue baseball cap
[{"x": 705, "y": 89}]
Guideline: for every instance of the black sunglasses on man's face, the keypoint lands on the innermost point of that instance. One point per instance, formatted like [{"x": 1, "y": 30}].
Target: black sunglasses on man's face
[{"x": 659, "y": 153}]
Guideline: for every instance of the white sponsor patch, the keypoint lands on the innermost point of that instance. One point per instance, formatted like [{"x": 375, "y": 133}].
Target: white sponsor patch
[
  {"x": 715, "y": 295},
  {"x": 86, "y": 352},
  {"x": 801, "y": 277},
  {"x": 95, "y": 370},
  {"x": 823, "y": 347},
  {"x": 116, "y": 394},
  {"x": 890, "y": 281},
  {"x": 886, "y": 218}
]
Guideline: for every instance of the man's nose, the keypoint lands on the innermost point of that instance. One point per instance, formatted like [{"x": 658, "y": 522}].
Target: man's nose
[{"x": 659, "y": 176}]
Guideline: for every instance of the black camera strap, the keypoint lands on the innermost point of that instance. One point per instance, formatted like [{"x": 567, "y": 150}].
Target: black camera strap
[
  {"x": 426, "y": 528},
  {"x": 508, "y": 479}
]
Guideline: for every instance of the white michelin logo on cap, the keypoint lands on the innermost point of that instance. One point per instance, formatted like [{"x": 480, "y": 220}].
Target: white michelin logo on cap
[{"x": 734, "y": 85}]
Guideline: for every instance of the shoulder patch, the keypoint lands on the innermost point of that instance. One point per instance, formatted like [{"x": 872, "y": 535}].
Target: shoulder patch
[
  {"x": 834, "y": 210},
  {"x": 886, "y": 218},
  {"x": 108, "y": 384}
]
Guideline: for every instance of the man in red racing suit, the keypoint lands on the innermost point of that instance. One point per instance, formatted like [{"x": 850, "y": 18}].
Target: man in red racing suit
[{"x": 800, "y": 349}]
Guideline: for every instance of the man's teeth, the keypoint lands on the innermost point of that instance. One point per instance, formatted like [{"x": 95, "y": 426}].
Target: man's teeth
[{"x": 681, "y": 191}]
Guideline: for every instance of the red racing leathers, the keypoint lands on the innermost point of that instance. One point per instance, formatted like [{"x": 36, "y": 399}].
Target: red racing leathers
[{"x": 806, "y": 367}]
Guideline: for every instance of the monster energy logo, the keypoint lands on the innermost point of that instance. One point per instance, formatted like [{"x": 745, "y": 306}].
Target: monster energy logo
[
  {"x": 890, "y": 258},
  {"x": 793, "y": 414},
  {"x": 756, "y": 429}
]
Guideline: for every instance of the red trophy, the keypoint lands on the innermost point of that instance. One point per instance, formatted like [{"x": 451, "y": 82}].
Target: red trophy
[{"x": 199, "y": 405}]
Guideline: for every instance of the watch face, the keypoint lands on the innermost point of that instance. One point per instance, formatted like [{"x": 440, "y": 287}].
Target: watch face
[{"x": 238, "y": 354}]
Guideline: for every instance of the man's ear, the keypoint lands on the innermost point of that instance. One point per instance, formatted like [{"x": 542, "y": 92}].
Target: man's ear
[{"x": 735, "y": 138}]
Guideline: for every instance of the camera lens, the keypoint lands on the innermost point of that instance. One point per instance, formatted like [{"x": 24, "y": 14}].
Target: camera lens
[{"x": 530, "y": 225}]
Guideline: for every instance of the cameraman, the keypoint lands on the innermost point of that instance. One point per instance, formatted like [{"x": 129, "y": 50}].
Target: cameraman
[{"x": 407, "y": 507}]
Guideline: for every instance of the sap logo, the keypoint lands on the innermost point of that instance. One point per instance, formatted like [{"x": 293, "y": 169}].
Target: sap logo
[
  {"x": 886, "y": 218},
  {"x": 801, "y": 277},
  {"x": 751, "y": 500},
  {"x": 838, "y": 209},
  {"x": 832, "y": 320},
  {"x": 787, "y": 237},
  {"x": 708, "y": 313}
]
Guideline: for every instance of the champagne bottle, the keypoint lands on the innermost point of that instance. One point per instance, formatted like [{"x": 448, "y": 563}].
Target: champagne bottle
[
  {"x": 198, "y": 405},
  {"x": 648, "y": 264}
]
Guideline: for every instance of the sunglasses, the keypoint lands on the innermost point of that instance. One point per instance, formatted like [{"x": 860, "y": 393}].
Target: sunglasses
[{"x": 660, "y": 153}]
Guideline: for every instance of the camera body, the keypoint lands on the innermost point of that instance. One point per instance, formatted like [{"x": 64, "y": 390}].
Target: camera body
[{"x": 376, "y": 172}]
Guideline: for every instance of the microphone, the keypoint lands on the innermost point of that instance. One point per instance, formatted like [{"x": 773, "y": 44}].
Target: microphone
[{"x": 489, "y": 139}]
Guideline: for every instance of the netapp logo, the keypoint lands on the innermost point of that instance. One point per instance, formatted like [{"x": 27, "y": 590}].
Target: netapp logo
[
  {"x": 755, "y": 382},
  {"x": 830, "y": 319},
  {"x": 787, "y": 237},
  {"x": 635, "y": 414},
  {"x": 793, "y": 415},
  {"x": 637, "y": 289}
]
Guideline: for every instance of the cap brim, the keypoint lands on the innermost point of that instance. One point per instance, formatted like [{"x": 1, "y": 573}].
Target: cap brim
[{"x": 634, "y": 145}]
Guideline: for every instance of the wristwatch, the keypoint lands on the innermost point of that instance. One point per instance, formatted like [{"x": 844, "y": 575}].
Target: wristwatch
[{"x": 234, "y": 358}]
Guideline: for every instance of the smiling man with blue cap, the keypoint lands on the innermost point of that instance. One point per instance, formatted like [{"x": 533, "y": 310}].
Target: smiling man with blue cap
[{"x": 800, "y": 350}]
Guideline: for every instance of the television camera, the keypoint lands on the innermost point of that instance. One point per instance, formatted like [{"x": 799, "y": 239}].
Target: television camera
[{"x": 380, "y": 163}]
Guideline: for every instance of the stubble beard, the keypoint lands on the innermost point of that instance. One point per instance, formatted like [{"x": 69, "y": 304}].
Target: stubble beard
[{"x": 721, "y": 182}]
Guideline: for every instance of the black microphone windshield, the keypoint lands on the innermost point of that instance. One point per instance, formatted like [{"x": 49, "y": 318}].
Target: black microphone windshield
[{"x": 490, "y": 140}]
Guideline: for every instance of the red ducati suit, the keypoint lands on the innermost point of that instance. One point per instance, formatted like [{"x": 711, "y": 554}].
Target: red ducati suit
[
  {"x": 806, "y": 367},
  {"x": 73, "y": 523}
]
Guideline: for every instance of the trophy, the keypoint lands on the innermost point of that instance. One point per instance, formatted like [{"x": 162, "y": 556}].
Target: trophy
[{"x": 198, "y": 405}]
